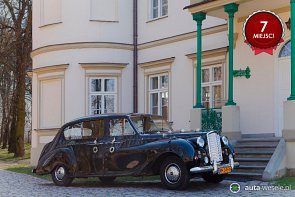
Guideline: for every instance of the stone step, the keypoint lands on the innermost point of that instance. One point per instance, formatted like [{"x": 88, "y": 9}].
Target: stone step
[
  {"x": 246, "y": 175},
  {"x": 250, "y": 168},
  {"x": 254, "y": 155},
  {"x": 252, "y": 159},
  {"x": 252, "y": 163},
  {"x": 247, "y": 170},
  {"x": 255, "y": 152},
  {"x": 273, "y": 139},
  {"x": 260, "y": 143},
  {"x": 256, "y": 146},
  {"x": 239, "y": 149}
]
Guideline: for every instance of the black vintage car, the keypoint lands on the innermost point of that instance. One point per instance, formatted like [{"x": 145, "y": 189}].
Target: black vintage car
[{"x": 108, "y": 146}]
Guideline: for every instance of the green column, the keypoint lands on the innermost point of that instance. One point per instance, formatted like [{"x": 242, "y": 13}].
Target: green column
[
  {"x": 231, "y": 9},
  {"x": 292, "y": 97},
  {"x": 199, "y": 17}
]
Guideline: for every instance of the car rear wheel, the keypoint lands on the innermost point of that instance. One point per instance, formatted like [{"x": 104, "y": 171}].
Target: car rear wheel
[
  {"x": 174, "y": 173},
  {"x": 107, "y": 179},
  {"x": 213, "y": 178},
  {"x": 60, "y": 176}
]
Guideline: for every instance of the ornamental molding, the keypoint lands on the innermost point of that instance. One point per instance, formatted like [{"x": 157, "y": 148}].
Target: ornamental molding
[
  {"x": 124, "y": 46},
  {"x": 182, "y": 37},
  {"x": 157, "y": 63},
  {"x": 277, "y": 11},
  {"x": 81, "y": 45},
  {"x": 103, "y": 66},
  {"x": 210, "y": 53},
  {"x": 206, "y": 6},
  {"x": 49, "y": 69}
]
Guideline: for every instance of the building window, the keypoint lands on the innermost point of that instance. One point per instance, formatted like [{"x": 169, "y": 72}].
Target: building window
[
  {"x": 212, "y": 86},
  {"x": 159, "y": 8},
  {"x": 102, "y": 95},
  {"x": 50, "y": 12},
  {"x": 286, "y": 50},
  {"x": 159, "y": 95},
  {"x": 104, "y": 10}
]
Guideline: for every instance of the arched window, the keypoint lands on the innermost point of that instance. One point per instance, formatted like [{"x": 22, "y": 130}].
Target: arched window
[{"x": 286, "y": 50}]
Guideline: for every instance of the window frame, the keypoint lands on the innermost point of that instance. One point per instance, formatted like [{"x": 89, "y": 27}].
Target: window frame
[
  {"x": 102, "y": 93},
  {"x": 43, "y": 22},
  {"x": 211, "y": 84},
  {"x": 284, "y": 47},
  {"x": 158, "y": 91},
  {"x": 159, "y": 10}
]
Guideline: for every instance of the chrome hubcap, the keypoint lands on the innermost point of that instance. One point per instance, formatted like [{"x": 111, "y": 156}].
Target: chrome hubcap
[
  {"x": 172, "y": 173},
  {"x": 60, "y": 173}
]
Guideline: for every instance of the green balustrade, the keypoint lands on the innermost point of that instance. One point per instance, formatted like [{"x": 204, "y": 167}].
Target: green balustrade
[{"x": 212, "y": 119}]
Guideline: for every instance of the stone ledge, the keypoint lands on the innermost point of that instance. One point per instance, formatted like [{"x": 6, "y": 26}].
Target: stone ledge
[
  {"x": 289, "y": 135},
  {"x": 272, "y": 170},
  {"x": 232, "y": 135}
]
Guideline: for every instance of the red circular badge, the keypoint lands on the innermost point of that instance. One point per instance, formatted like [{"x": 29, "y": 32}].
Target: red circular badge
[{"x": 263, "y": 30}]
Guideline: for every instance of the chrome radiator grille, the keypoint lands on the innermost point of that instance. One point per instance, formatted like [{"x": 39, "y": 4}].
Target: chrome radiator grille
[{"x": 214, "y": 146}]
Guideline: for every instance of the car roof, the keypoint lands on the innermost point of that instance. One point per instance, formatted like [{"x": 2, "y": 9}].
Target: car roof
[{"x": 108, "y": 115}]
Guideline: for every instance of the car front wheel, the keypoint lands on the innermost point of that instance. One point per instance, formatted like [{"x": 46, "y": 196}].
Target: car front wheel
[
  {"x": 213, "y": 178},
  {"x": 174, "y": 174},
  {"x": 60, "y": 176}
]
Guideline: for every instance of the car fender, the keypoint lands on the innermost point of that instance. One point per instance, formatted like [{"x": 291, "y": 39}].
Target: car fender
[
  {"x": 60, "y": 156},
  {"x": 182, "y": 148}
]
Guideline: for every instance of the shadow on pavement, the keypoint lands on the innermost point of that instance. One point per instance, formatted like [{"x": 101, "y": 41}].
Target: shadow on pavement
[{"x": 195, "y": 185}]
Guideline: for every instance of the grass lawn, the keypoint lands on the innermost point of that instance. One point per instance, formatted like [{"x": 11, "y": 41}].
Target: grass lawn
[
  {"x": 286, "y": 181},
  {"x": 5, "y": 156},
  {"x": 27, "y": 169}
]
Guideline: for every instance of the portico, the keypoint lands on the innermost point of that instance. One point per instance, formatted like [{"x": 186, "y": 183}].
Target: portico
[{"x": 253, "y": 105}]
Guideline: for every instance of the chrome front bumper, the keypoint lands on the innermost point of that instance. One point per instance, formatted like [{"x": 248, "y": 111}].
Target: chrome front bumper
[{"x": 214, "y": 168}]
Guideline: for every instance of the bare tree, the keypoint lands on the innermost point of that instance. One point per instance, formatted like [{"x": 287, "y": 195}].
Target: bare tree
[{"x": 17, "y": 19}]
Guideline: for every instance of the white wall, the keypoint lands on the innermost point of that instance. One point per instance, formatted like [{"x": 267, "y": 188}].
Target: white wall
[
  {"x": 177, "y": 22},
  {"x": 76, "y": 24}
]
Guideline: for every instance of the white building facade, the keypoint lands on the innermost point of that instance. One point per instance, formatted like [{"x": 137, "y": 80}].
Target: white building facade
[{"x": 83, "y": 64}]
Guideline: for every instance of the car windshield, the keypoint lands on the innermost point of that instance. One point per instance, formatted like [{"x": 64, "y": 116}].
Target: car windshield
[{"x": 146, "y": 124}]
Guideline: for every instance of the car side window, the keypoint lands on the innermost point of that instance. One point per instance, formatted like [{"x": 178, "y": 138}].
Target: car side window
[
  {"x": 85, "y": 130},
  {"x": 96, "y": 126},
  {"x": 120, "y": 127},
  {"x": 73, "y": 132}
]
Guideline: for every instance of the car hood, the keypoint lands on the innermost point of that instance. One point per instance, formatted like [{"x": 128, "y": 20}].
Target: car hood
[{"x": 182, "y": 135}]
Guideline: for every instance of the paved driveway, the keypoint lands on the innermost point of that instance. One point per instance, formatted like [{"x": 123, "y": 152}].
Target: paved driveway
[{"x": 15, "y": 184}]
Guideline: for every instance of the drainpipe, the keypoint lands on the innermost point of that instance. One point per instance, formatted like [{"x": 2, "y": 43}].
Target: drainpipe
[{"x": 135, "y": 56}]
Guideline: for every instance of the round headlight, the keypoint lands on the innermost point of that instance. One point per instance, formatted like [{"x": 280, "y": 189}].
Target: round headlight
[
  {"x": 200, "y": 142},
  {"x": 224, "y": 140},
  {"x": 206, "y": 160}
]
